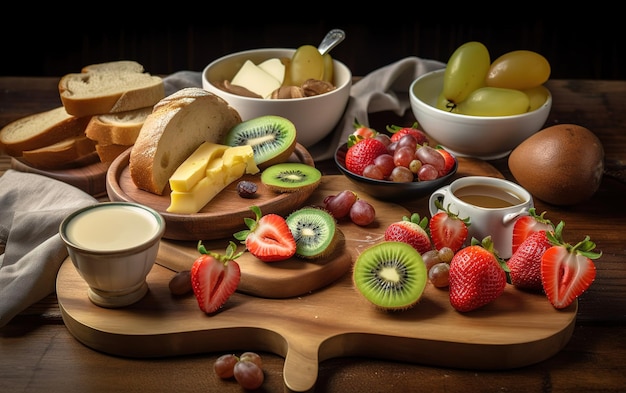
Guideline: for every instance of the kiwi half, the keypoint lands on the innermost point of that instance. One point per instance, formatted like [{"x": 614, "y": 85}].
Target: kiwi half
[
  {"x": 391, "y": 275},
  {"x": 291, "y": 177},
  {"x": 273, "y": 138},
  {"x": 315, "y": 231}
]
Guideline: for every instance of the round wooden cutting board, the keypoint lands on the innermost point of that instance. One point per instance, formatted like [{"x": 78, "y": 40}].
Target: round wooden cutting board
[{"x": 325, "y": 319}]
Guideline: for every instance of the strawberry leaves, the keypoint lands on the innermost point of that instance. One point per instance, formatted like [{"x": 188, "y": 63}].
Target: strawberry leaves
[
  {"x": 268, "y": 237},
  {"x": 215, "y": 277}
]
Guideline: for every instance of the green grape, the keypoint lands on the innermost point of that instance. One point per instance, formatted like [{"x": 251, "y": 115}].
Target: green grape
[
  {"x": 519, "y": 69},
  {"x": 444, "y": 104},
  {"x": 494, "y": 101},
  {"x": 537, "y": 96},
  {"x": 306, "y": 63},
  {"x": 328, "y": 68},
  {"x": 466, "y": 71}
]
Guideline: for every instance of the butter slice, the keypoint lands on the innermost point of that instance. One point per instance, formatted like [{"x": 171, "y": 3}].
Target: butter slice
[
  {"x": 219, "y": 173},
  {"x": 274, "y": 67},
  {"x": 189, "y": 173},
  {"x": 256, "y": 79}
]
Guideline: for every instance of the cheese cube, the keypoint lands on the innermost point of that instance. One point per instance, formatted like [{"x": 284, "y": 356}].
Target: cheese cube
[{"x": 194, "y": 168}]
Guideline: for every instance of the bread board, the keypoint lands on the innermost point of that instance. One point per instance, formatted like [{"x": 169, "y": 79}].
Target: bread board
[
  {"x": 89, "y": 176},
  {"x": 516, "y": 330},
  {"x": 221, "y": 217}
]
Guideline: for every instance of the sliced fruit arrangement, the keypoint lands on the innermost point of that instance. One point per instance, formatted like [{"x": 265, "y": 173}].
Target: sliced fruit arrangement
[
  {"x": 410, "y": 230},
  {"x": 391, "y": 275}
]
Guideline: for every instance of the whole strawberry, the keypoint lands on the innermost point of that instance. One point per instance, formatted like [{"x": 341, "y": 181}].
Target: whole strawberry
[
  {"x": 410, "y": 230},
  {"x": 363, "y": 154},
  {"x": 567, "y": 271},
  {"x": 447, "y": 229},
  {"x": 525, "y": 263},
  {"x": 268, "y": 237},
  {"x": 477, "y": 276},
  {"x": 215, "y": 277},
  {"x": 524, "y": 226}
]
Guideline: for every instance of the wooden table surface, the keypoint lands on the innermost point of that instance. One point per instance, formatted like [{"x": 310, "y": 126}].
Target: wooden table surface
[{"x": 37, "y": 353}]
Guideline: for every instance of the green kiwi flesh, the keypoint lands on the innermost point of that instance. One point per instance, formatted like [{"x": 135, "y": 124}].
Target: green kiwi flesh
[
  {"x": 315, "y": 231},
  {"x": 391, "y": 275},
  {"x": 291, "y": 177},
  {"x": 273, "y": 138}
]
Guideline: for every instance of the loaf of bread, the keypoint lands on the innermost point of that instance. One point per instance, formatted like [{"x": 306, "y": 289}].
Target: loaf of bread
[
  {"x": 112, "y": 87},
  {"x": 60, "y": 154},
  {"x": 40, "y": 130},
  {"x": 178, "y": 124},
  {"x": 120, "y": 128}
]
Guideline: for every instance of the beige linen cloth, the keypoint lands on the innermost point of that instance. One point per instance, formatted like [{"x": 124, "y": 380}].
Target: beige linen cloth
[
  {"x": 384, "y": 89},
  {"x": 31, "y": 251},
  {"x": 33, "y": 206}
]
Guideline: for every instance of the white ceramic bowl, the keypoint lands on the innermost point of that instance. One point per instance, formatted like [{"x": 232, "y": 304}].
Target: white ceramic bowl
[
  {"x": 471, "y": 136},
  {"x": 314, "y": 117},
  {"x": 113, "y": 246}
]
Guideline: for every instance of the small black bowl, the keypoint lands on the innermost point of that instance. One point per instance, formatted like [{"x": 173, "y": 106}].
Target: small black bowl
[{"x": 389, "y": 190}]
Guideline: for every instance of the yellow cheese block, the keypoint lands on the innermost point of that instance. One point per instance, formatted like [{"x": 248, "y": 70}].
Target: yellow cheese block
[
  {"x": 189, "y": 173},
  {"x": 219, "y": 173}
]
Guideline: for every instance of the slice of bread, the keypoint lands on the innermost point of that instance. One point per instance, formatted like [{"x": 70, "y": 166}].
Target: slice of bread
[
  {"x": 178, "y": 124},
  {"x": 39, "y": 130},
  {"x": 117, "y": 128},
  {"x": 60, "y": 154},
  {"x": 108, "y": 153},
  {"x": 109, "y": 88}
]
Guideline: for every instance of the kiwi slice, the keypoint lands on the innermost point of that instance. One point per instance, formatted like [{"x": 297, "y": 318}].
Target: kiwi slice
[
  {"x": 291, "y": 177},
  {"x": 391, "y": 275},
  {"x": 315, "y": 231},
  {"x": 273, "y": 138}
]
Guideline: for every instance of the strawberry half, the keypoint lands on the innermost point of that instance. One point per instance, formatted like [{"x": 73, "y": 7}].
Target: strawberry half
[
  {"x": 447, "y": 229},
  {"x": 527, "y": 225},
  {"x": 268, "y": 237},
  {"x": 567, "y": 271},
  {"x": 398, "y": 132},
  {"x": 363, "y": 153},
  {"x": 215, "y": 277},
  {"x": 449, "y": 161},
  {"x": 477, "y": 276},
  {"x": 411, "y": 231}
]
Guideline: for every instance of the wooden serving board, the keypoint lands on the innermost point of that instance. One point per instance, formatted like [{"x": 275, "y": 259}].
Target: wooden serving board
[
  {"x": 89, "y": 177},
  {"x": 221, "y": 217},
  {"x": 516, "y": 330}
]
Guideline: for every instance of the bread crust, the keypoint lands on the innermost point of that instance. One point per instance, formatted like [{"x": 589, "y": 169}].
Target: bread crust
[
  {"x": 40, "y": 130},
  {"x": 178, "y": 124},
  {"x": 109, "y": 88},
  {"x": 60, "y": 154},
  {"x": 117, "y": 129}
]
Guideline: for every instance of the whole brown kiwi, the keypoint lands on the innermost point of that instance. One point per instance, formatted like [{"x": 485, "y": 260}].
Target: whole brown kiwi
[{"x": 561, "y": 165}]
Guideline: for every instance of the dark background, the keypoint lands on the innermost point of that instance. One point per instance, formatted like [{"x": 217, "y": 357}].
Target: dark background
[{"x": 587, "y": 47}]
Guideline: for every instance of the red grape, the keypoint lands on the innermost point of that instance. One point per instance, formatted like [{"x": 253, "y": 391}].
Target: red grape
[
  {"x": 385, "y": 163},
  {"x": 248, "y": 374},
  {"x": 427, "y": 172},
  {"x": 439, "y": 274},
  {"x": 409, "y": 141},
  {"x": 224, "y": 365},
  {"x": 251, "y": 357},
  {"x": 373, "y": 171},
  {"x": 403, "y": 156},
  {"x": 384, "y": 138},
  {"x": 339, "y": 205},
  {"x": 362, "y": 213},
  {"x": 429, "y": 155},
  {"x": 401, "y": 174}
]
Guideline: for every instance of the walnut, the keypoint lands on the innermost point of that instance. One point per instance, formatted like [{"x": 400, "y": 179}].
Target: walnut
[
  {"x": 285, "y": 92},
  {"x": 314, "y": 87}
]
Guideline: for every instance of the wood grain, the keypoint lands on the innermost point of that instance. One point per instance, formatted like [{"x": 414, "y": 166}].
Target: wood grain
[{"x": 517, "y": 329}]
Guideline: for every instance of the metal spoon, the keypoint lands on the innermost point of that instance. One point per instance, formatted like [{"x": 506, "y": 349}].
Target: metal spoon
[{"x": 332, "y": 39}]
